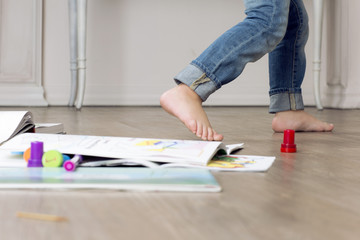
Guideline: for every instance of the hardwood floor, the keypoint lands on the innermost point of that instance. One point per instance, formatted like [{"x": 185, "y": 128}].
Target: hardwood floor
[{"x": 311, "y": 194}]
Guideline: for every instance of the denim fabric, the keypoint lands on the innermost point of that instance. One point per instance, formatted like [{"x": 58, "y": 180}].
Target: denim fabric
[{"x": 278, "y": 27}]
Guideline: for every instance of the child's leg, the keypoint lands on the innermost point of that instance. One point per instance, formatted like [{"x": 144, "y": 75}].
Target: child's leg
[
  {"x": 224, "y": 60},
  {"x": 287, "y": 65},
  {"x": 185, "y": 104}
]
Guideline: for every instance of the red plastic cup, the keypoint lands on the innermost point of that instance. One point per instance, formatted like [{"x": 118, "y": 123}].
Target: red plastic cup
[{"x": 288, "y": 145}]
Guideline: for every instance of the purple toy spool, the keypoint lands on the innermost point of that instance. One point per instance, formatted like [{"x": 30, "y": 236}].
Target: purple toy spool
[{"x": 36, "y": 152}]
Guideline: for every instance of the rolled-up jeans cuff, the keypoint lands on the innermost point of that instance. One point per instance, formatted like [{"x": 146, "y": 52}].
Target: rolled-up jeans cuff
[
  {"x": 197, "y": 80},
  {"x": 286, "y": 101}
]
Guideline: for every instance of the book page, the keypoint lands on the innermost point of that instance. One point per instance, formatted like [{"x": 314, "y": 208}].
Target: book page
[
  {"x": 14, "y": 122},
  {"x": 238, "y": 163},
  {"x": 49, "y": 128}
]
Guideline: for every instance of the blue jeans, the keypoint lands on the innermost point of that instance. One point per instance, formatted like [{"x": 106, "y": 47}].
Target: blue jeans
[{"x": 277, "y": 27}]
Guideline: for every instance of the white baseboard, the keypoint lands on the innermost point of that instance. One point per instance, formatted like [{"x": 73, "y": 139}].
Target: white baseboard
[
  {"x": 22, "y": 95},
  {"x": 341, "y": 98}
]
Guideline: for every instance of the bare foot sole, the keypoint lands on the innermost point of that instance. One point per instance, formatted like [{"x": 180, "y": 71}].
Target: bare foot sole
[
  {"x": 299, "y": 121},
  {"x": 186, "y": 105}
]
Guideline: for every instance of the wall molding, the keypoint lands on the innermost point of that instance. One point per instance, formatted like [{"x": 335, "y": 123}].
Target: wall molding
[
  {"x": 21, "y": 74},
  {"x": 342, "y": 88}
]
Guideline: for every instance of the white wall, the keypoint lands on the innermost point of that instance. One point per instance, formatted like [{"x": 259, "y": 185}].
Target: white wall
[
  {"x": 135, "y": 47},
  {"x": 343, "y": 76}
]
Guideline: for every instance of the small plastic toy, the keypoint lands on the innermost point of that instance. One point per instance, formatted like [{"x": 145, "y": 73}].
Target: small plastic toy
[
  {"x": 36, "y": 153},
  {"x": 288, "y": 145},
  {"x": 52, "y": 158},
  {"x": 73, "y": 163}
]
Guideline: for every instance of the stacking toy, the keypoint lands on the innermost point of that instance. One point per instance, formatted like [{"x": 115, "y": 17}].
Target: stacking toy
[
  {"x": 288, "y": 145},
  {"x": 36, "y": 152},
  {"x": 52, "y": 158},
  {"x": 27, "y": 154},
  {"x": 65, "y": 158}
]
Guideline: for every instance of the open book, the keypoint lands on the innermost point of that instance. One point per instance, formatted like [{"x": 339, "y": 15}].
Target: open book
[
  {"x": 155, "y": 150},
  {"x": 13, "y": 123}
]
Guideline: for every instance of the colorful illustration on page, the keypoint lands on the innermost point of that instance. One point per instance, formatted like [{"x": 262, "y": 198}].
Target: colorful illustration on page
[
  {"x": 230, "y": 162},
  {"x": 182, "y": 147}
]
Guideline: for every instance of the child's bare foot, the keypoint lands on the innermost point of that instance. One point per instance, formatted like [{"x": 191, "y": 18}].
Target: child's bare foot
[
  {"x": 186, "y": 105},
  {"x": 299, "y": 121}
]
